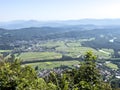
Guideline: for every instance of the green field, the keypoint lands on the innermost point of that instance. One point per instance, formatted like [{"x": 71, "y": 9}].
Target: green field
[
  {"x": 112, "y": 66},
  {"x": 52, "y": 44},
  {"x": 5, "y": 51},
  {"x": 73, "y": 44},
  {"x": 51, "y": 65},
  {"x": 29, "y": 56},
  {"x": 108, "y": 50}
]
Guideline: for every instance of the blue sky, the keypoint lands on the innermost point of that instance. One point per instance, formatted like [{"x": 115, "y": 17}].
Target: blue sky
[{"x": 44, "y": 10}]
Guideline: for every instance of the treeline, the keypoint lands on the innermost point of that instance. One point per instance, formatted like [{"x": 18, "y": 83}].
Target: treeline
[{"x": 46, "y": 33}]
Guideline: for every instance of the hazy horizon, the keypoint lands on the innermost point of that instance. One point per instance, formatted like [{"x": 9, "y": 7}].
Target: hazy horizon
[{"x": 52, "y": 10}]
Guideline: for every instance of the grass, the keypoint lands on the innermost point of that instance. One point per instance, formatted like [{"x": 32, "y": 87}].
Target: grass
[
  {"x": 28, "y": 56},
  {"x": 5, "y": 51},
  {"x": 51, "y": 65},
  {"x": 108, "y": 50},
  {"x": 74, "y": 49},
  {"x": 112, "y": 66},
  {"x": 102, "y": 55},
  {"x": 73, "y": 44},
  {"x": 52, "y": 44}
]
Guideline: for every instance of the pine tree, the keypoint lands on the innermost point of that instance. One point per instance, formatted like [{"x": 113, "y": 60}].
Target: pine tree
[{"x": 88, "y": 77}]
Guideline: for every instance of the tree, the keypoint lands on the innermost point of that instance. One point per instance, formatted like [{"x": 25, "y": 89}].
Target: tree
[
  {"x": 13, "y": 76},
  {"x": 87, "y": 76}
]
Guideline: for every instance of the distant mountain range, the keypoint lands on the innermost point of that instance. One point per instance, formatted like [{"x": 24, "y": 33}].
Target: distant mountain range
[{"x": 33, "y": 23}]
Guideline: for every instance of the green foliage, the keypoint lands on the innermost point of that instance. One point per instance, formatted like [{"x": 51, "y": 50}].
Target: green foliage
[
  {"x": 15, "y": 77},
  {"x": 88, "y": 76},
  {"x": 87, "y": 71}
]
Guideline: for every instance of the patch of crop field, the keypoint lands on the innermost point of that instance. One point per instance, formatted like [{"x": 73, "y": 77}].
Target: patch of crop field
[
  {"x": 29, "y": 56},
  {"x": 112, "y": 66},
  {"x": 78, "y": 50},
  {"x": 74, "y": 49},
  {"x": 107, "y": 52},
  {"x": 73, "y": 44},
  {"x": 111, "y": 51},
  {"x": 5, "y": 51},
  {"x": 102, "y": 55},
  {"x": 51, "y": 65},
  {"x": 51, "y": 44},
  {"x": 74, "y": 55}
]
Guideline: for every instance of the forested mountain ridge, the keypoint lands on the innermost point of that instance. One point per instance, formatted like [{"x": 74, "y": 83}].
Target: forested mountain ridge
[{"x": 59, "y": 32}]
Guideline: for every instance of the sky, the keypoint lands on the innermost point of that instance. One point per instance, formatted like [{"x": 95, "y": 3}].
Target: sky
[{"x": 45, "y": 10}]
